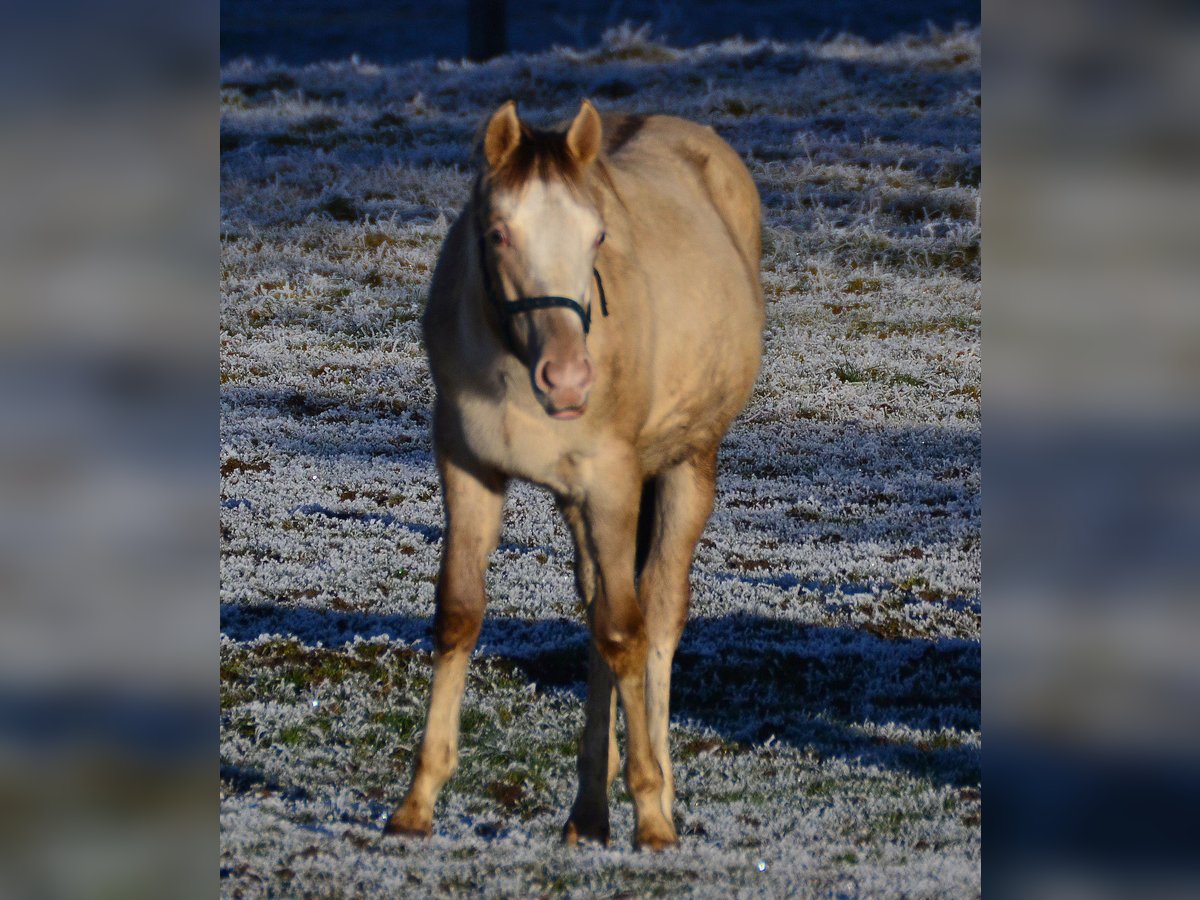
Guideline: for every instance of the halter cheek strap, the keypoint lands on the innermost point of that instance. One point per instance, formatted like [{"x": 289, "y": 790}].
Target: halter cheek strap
[{"x": 509, "y": 308}]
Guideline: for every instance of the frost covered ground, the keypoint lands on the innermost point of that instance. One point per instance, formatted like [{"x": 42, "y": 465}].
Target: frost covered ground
[{"x": 826, "y": 693}]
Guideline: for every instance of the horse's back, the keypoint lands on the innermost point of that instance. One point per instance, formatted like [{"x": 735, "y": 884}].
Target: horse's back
[{"x": 688, "y": 148}]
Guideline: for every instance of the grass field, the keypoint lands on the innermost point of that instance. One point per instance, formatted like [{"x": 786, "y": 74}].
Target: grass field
[{"x": 826, "y": 693}]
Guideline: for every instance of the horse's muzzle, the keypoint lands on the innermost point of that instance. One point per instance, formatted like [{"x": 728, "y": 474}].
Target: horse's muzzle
[{"x": 563, "y": 383}]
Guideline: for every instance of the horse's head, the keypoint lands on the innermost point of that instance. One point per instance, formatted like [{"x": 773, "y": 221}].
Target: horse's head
[{"x": 539, "y": 232}]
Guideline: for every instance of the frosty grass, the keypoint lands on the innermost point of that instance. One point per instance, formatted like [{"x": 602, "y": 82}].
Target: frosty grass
[{"x": 826, "y": 697}]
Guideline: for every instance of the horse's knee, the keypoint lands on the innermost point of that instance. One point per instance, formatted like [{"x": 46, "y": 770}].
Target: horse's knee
[
  {"x": 456, "y": 625},
  {"x": 665, "y": 631},
  {"x": 623, "y": 645}
]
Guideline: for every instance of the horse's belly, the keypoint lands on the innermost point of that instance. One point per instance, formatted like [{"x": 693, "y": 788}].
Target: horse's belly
[
  {"x": 679, "y": 432},
  {"x": 698, "y": 390}
]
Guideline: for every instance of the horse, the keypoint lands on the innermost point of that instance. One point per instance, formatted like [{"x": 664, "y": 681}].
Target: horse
[{"x": 593, "y": 326}]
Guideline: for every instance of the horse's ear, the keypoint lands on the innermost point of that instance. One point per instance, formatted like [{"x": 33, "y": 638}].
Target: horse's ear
[
  {"x": 503, "y": 134},
  {"x": 585, "y": 133}
]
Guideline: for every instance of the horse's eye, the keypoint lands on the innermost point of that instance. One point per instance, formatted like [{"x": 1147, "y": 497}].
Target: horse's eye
[
  {"x": 600, "y": 239},
  {"x": 498, "y": 237}
]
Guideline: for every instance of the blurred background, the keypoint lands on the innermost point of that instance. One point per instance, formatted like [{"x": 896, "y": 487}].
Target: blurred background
[
  {"x": 305, "y": 31},
  {"x": 1091, "y": 449},
  {"x": 108, "y": 452}
]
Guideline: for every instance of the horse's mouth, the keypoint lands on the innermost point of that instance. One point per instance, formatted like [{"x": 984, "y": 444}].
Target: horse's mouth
[{"x": 573, "y": 412}]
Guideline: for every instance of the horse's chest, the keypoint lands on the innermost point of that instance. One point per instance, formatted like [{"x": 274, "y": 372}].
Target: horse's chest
[{"x": 525, "y": 445}]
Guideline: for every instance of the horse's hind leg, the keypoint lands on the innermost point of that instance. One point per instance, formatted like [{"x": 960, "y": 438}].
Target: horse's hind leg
[
  {"x": 599, "y": 760},
  {"x": 682, "y": 505},
  {"x": 473, "y": 505}
]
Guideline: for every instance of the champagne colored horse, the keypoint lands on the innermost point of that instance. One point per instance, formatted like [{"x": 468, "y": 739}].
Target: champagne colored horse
[{"x": 594, "y": 325}]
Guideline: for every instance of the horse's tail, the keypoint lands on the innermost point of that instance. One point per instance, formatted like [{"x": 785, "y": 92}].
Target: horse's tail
[{"x": 645, "y": 527}]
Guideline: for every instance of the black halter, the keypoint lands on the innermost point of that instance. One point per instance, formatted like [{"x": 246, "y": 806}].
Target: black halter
[{"x": 509, "y": 308}]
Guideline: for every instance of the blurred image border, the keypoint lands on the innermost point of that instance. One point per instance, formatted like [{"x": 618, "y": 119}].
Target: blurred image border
[{"x": 109, "y": 631}]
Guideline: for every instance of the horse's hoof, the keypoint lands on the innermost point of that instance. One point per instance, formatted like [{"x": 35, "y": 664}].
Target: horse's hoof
[
  {"x": 575, "y": 833},
  {"x": 405, "y": 824},
  {"x": 655, "y": 839}
]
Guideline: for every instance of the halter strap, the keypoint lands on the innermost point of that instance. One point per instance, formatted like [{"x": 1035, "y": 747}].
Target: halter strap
[
  {"x": 528, "y": 304},
  {"x": 509, "y": 308}
]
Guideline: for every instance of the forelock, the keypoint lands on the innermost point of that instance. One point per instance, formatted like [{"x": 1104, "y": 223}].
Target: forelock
[{"x": 539, "y": 154}]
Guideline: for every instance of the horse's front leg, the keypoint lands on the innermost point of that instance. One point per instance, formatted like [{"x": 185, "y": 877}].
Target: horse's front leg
[
  {"x": 473, "y": 504},
  {"x": 683, "y": 502},
  {"x": 619, "y": 634}
]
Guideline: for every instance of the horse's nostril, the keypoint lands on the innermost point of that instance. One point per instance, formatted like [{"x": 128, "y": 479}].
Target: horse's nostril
[{"x": 573, "y": 374}]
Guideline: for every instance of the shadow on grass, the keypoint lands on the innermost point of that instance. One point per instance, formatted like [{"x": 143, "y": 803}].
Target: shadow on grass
[
  {"x": 753, "y": 680},
  {"x": 918, "y": 480},
  {"x": 749, "y": 678}
]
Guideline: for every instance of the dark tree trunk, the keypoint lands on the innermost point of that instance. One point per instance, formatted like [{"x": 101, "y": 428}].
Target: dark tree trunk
[{"x": 487, "y": 28}]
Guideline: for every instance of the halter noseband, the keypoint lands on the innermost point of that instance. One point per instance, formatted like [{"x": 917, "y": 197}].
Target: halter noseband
[{"x": 509, "y": 308}]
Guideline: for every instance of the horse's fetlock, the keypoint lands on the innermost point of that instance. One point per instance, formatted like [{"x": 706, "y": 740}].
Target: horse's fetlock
[
  {"x": 645, "y": 781},
  {"x": 437, "y": 766}
]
